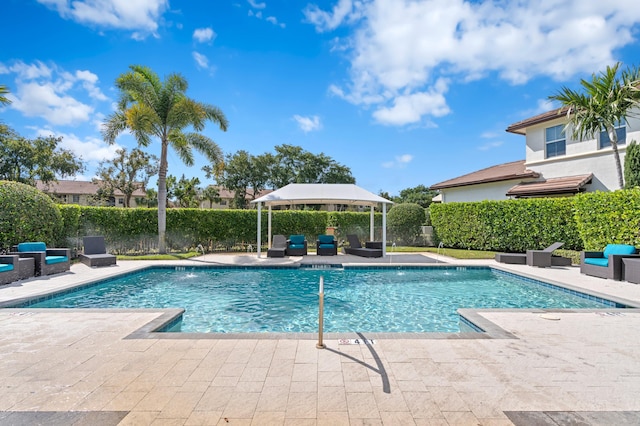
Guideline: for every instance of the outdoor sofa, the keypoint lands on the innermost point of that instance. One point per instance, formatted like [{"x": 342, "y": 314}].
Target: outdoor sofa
[
  {"x": 278, "y": 246},
  {"x": 8, "y": 269},
  {"x": 608, "y": 262},
  {"x": 326, "y": 245},
  {"x": 296, "y": 246},
  {"x": 95, "y": 252},
  {"x": 47, "y": 260},
  {"x": 371, "y": 248}
]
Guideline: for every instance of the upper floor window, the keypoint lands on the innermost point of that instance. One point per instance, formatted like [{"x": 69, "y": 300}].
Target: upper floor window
[
  {"x": 621, "y": 132},
  {"x": 555, "y": 141}
]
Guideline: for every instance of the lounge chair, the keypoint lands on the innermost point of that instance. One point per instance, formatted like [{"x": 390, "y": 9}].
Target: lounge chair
[
  {"x": 371, "y": 249},
  {"x": 95, "y": 252},
  {"x": 607, "y": 263},
  {"x": 47, "y": 260},
  {"x": 326, "y": 245},
  {"x": 278, "y": 246},
  {"x": 296, "y": 246},
  {"x": 8, "y": 269},
  {"x": 540, "y": 258}
]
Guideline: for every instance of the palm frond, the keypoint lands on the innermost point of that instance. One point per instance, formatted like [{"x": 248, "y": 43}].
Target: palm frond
[
  {"x": 206, "y": 146},
  {"x": 180, "y": 144},
  {"x": 115, "y": 124}
]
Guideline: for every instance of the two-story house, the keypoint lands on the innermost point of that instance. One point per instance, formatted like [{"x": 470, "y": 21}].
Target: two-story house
[
  {"x": 81, "y": 192},
  {"x": 555, "y": 163}
]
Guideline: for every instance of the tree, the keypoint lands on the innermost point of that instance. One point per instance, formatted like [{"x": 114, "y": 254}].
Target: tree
[
  {"x": 150, "y": 108},
  {"x": 606, "y": 102},
  {"x": 127, "y": 172},
  {"x": 3, "y": 91},
  {"x": 211, "y": 194},
  {"x": 24, "y": 160},
  {"x": 150, "y": 200},
  {"x": 419, "y": 195},
  {"x": 246, "y": 176},
  {"x": 404, "y": 221},
  {"x": 292, "y": 164},
  {"x": 632, "y": 166},
  {"x": 187, "y": 192}
]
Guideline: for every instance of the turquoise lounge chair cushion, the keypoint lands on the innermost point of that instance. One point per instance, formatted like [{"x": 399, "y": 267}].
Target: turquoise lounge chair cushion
[
  {"x": 296, "y": 239},
  {"x": 296, "y": 246},
  {"x": 618, "y": 249},
  {"x": 327, "y": 246},
  {"x": 5, "y": 268},
  {"x": 325, "y": 239},
  {"x": 597, "y": 261},
  {"x": 33, "y": 246},
  {"x": 50, "y": 260}
]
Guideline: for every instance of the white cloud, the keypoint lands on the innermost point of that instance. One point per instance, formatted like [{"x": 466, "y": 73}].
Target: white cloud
[
  {"x": 399, "y": 162},
  {"x": 257, "y": 5},
  {"x": 204, "y": 35},
  {"x": 140, "y": 16},
  {"x": 257, "y": 14},
  {"x": 308, "y": 124},
  {"x": 90, "y": 149},
  {"x": 400, "y": 49},
  {"x": 201, "y": 60},
  {"x": 490, "y": 145},
  {"x": 274, "y": 21}
]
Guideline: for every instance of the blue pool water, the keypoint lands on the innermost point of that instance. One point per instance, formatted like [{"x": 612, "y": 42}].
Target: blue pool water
[{"x": 286, "y": 300}]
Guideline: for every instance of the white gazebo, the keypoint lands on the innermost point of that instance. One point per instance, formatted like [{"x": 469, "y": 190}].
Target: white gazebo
[{"x": 323, "y": 193}]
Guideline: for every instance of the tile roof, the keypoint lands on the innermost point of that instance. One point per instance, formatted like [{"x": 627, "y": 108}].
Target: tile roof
[
  {"x": 520, "y": 126},
  {"x": 77, "y": 187},
  {"x": 501, "y": 172},
  {"x": 562, "y": 185}
]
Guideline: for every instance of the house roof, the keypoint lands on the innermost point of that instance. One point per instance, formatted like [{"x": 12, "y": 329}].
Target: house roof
[
  {"x": 321, "y": 193},
  {"x": 552, "y": 186},
  {"x": 501, "y": 172},
  {"x": 76, "y": 187},
  {"x": 520, "y": 127}
]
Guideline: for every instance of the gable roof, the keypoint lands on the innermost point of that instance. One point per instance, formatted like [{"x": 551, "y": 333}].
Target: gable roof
[
  {"x": 321, "y": 193},
  {"x": 520, "y": 127},
  {"x": 499, "y": 173},
  {"x": 551, "y": 186}
]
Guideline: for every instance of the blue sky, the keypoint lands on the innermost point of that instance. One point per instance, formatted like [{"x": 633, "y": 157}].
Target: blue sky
[{"x": 404, "y": 93}]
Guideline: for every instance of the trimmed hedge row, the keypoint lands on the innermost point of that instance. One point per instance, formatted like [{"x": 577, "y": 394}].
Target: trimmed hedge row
[{"x": 509, "y": 225}]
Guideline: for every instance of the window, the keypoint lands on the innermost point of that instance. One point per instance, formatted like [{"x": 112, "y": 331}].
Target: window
[
  {"x": 621, "y": 132},
  {"x": 556, "y": 143},
  {"x": 76, "y": 199},
  {"x": 120, "y": 200},
  {"x": 223, "y": 202}
]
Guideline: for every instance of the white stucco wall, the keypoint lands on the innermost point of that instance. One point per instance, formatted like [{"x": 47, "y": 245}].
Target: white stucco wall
[
  {"x": 582, "y": 157},
  {"x": 481, "y": 192}
]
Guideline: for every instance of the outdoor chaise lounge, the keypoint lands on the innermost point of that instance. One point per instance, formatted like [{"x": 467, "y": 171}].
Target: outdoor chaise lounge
[
  {"x": 296, "y": 246},
  {"x": 326, "y": 245},
  {"x": 47, "y": 260},
  {"x": 95, "y": 252},
  {"x": 278, "y": 246},
  {"x": 540, "y": 258},
  {"x": 371, "y": 248},
  {"x": 8, "y": 269},
  {"x": 607, "y": 263}
]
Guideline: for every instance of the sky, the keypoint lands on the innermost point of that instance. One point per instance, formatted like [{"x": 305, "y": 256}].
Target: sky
[{"x": 404, "y": 93}]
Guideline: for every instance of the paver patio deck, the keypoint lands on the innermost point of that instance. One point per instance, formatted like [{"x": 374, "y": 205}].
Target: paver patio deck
[{"x": 79, "y": 367}]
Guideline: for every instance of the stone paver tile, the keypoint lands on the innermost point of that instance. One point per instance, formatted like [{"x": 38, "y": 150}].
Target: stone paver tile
[
  {"x": 448, "y": 399},
  {"x": 460, "y": 418},
  {"x": 254, "y": 374},
  {"x": 397, "y": 418},
  {"x": 156, "y": 399},
  {"x": 332, "y": 399},
  {"x": 365, "y": 422},
  {"x": 340, "y": 418},
  {"x": 281, "y": 367},
  {"x": 403, "y": 371},
  {"x": 215, "y": 399},
  {"x": 307, "y": 352},
  {"x": 168, "y": 422},
  {"x": 305, "y": 373},
  {"x": 268, "y": 418},
  {"x": 279, "y": 381},
  {"x": 412, "y": 385},
  {"x": 329, "y": 361},
  {"x": 225, "y": 381},
  {"x": 249, "y": 386},
  {"x": 362, "y": 405},
  {"x": 330, "y": 378},
  {"x": 231, "y": 370},
  {"x": 203, "y": 373},
  {"x": 303, "y": 387},
  {"x": 354, "y": 372},
  {"x": 273, "y": 398},
  {"x": 300, "y": 422},
  {"x": 495, "y": 422},
  {"x": 392, "y": 401},
  {"x": 181, "y": 405},
  {"x": 94, "y": 401},
  {"x": 242, "y": 405},
  {"x": 422, "y": 405},
  {"x": 124, "y": 401},
  {"x": 358, "y": 386},
  {"x": 203, "y": 418},
  {"x": 226, "y": 421},
  {"x": 302, "y": 405},
  {"x": 136, "y": 418}
]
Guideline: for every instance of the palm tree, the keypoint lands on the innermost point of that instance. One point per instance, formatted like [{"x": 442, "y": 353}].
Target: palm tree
[
  {"x": 149, "y": 108},
  {"x": 608, "y": 100},
  {"x": 3, "y": 91}
]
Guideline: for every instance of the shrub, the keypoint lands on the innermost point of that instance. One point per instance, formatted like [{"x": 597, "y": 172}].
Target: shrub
[
  {"x": 404, "y": 221},
  {"x": 27, "y": 214},
  {"x": 632, "y": 166}
]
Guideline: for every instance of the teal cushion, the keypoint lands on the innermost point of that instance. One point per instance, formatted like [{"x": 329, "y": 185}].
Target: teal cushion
[
  {"x": 297, "y": 239},
  {"x": 34, "y": 246},
  {"x": 597, "y": 261},
  {"x": 618, "y": 249},
  {"x": 325, "y": 239},
  {"x": 50, "y": 260},
  {"x": 5, "y": 268},
  {"x": 326, "y": 246},
  {"x": 296, "y": 246}
]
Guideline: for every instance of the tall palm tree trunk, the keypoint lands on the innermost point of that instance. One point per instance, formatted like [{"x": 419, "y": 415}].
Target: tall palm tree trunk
[
  {"x": 162, "y": 199},
  {"x": 613, "y": 137}
]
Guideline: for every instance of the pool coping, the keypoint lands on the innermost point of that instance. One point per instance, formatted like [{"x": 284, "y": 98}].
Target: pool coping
[{"x": 489, "y": 330}]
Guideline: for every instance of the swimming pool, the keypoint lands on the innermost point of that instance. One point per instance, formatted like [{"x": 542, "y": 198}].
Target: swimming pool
[{"x": 241, "y": 300}]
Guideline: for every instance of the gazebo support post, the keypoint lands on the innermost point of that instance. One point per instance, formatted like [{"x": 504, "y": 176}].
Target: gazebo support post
[
  {"x": 371, "y": 224},
  {"x": 259, "y": 227},
  {"x": 384, "y": 229},
  {"x": 269, "y": 228}
]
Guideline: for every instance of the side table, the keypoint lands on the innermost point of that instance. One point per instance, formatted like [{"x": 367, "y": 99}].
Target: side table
[
  {"x": 26, "y": 267},
  {"x": 631, "y": 269}
]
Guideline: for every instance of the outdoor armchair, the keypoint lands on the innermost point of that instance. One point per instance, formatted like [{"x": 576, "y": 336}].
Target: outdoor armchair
[
  {"x": 95, "y": 252},
  {"x": 296, "y": 246},
  {"x": 47, "y": 260},
  {"x": 608, "y": 262},
  {"x": 8, "y": 269},
  {"x": 326, "y": 245}
]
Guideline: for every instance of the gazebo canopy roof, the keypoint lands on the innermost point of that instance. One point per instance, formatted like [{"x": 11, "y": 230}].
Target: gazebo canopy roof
[{"x": 321, "y": 193}]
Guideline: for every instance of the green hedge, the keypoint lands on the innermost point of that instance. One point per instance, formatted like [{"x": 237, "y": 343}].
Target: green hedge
[
  {"x": 608, "y": 217},
  {"x": 510, "y": 225}
]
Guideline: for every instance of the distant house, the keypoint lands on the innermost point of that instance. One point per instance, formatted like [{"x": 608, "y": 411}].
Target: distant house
[
  {"x": 555, "y": 164},
  {"x": 226, "y": 199},
  {"x": 81, "y": 192}
]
